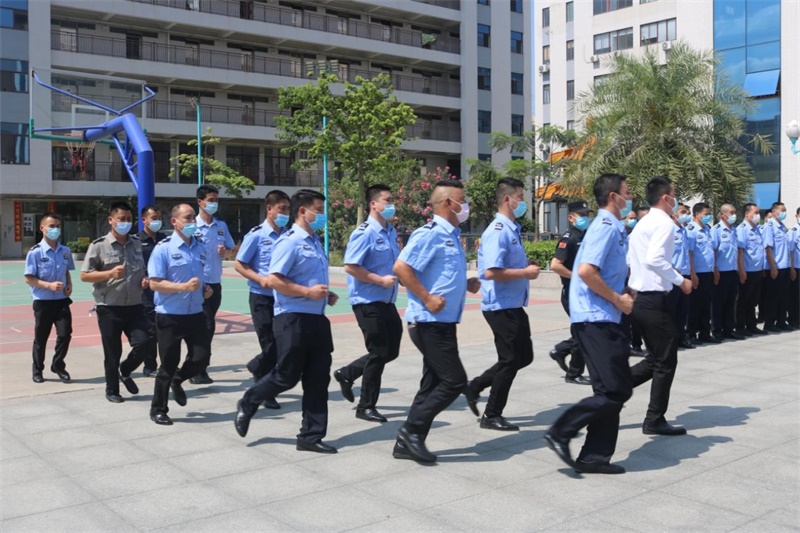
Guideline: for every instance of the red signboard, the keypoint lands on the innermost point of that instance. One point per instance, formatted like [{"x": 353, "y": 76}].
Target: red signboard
[
  {"x": 51, "y": 207},
  {"x": 18, "y": 221}
]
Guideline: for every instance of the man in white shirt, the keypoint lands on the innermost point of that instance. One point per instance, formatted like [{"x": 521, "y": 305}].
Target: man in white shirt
[{"x": 651, "y": 246}]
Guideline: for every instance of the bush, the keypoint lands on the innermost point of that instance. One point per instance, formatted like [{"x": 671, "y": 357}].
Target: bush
[
  {"x": 335, "y": 258},
  {"x": 78, "y": 247},
  {"x": 541, "y": 251}
]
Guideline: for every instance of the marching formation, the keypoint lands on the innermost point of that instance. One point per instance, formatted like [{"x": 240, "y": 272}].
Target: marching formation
[{"x": 643, "y": 282}]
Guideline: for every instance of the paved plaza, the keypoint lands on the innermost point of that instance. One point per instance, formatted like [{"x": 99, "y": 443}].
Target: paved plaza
[{"x": 71, "y": 461}]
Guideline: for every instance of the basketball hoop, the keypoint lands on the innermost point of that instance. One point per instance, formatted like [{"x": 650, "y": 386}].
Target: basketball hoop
[{"x": 79, "y": 151}]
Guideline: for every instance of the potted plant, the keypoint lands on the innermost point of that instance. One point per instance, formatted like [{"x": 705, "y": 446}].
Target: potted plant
[{"x": 78, "y": 249}]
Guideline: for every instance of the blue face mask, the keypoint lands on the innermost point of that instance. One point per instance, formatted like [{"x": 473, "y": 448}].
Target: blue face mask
[
  {"x": 627, "y": 209},
  {"x": 154, "y": 225},
  {"x": 582, "y": 223},
  {"x": 320, "y": 221},
  {"x": 685, "y": 218},
  {"x": 53, "y": 233},
  {"x": 189, "y": 229},
  {"x": 631, "y": 222},
  {"x": 706, "y": 220},
  {"x": 521, "y": 209},
  {"x": 388, "y": 211},
  {"x": 782, "y": 216},
  {"x": 123, "y": 227},
  {"x": 211, "y": 207},
  {"x": 281, "y": 220}
]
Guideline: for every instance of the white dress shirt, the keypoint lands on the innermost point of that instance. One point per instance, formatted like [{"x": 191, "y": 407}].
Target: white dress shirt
[{"x": 650, "y": 249}]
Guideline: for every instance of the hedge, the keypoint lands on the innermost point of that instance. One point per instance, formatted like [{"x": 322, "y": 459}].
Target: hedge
[{"x": 541, "y": 251}]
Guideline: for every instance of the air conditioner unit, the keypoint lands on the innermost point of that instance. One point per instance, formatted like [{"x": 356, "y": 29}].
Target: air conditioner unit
[
  {"x": 544, "y": 68},
  {"x": 666, "y": 45},
  {"x": 594, "y": 59},
  {"x": 617, "y": 53}
]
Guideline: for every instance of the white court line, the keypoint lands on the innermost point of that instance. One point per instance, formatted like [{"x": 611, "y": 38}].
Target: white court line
[{"x": 15, "y": 329}]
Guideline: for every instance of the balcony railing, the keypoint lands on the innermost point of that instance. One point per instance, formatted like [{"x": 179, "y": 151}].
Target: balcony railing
[
  {"x": 436, "y": 133},
  {"x": 238, "y": 61},
  {"x": 249, "y": 10},
  {"x": 449, "y": 4},
  {"x": 97, "y": 171}
]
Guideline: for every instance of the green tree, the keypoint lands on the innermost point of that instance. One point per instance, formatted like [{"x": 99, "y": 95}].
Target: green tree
[
  {"x": 681, "y": 119},
  {"x": 215, "y": 172},
  {"x": 365, "y": 128},
  {"x": 480, "y": 188}
]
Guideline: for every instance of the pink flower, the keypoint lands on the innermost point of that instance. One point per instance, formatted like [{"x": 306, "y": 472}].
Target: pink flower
[{"x": 426, "y": 185}]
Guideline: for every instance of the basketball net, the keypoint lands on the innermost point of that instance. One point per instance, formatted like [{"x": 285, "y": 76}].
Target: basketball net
[{"x": 79, "y": 151}]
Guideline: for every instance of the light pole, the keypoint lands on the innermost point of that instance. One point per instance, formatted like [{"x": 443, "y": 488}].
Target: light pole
[
  {"x": 325, "y": 185},
  {"x": 196, "y": 104},
  {"x": 793, "y": 132}
]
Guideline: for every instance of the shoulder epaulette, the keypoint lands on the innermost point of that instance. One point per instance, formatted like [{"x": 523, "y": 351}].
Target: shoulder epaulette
[
  {"x": 164, "y": 240},
  {"x": 364, "y": 225},
  {"x": 718, "y": 225},
  {"x": 35, "y": 246},
  {"x": 133, "y": 236},
  {"x": 255, "y": 228},
  {"x": 101, "y": 239},
  {"x": 607, "y": 221},
  {"x": 566, "y": 235},
  {"x": 430, "y": 224},
  {"x": 288, "y": 233},
  {"x": 691, "y": 225},
  {"x": 498, "y": 226}
]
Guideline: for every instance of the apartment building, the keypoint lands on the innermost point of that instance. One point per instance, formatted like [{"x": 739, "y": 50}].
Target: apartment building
[{"x": 463, "y": 66}]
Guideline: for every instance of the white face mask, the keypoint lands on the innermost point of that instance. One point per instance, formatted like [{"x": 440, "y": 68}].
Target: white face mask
[
  {"x": 756, "y": 218},
  {"x": 462, "y": 215}
]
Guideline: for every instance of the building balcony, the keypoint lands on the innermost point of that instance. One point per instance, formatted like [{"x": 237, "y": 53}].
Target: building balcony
[{"x": 449, "y": 4}]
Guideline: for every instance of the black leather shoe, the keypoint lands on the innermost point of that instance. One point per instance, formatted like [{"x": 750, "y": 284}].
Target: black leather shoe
[
  {"x": 149, "y": 372},
  {"x": 561, "y": 447},
  {"x": 242, "y": 420},
  {"x": 63, "y": 375},
  {"x": 161, "y": 419},
  {"x": 370, "y": 415},
  {"x": 559, "y": 358},
  {"x": 578, "y": 380},
  {"x": 732, "y": 335},
  {"x": 663, "y": 428},
  {"x": 771, "y": 329},
  {"x": 37, "y": 378},
  {"x": 346, "y": 385},
  {"x": 686, "y": 344},
  {"x": 472, "y": 399},
  {"x": 636, "y": 351},
  {"x": 400, "y": 451},
  {"x": 270, "y": 403},
  {"x": 201, "y": 379},
  {"x": 317, "y": 447},
  {"x": 415, "y": 446},
  {"x": 498, "y": 423},
  {"x": 708, "y": 339},
  {"x": 785, "y": 327},
  {"x": 178, "y": 394},
  {"x": 130, "y": 385},
  {"x": 114, "y": 398},
  {"x": 756, "y": 331},
  {"x": 597, "y": 468}
]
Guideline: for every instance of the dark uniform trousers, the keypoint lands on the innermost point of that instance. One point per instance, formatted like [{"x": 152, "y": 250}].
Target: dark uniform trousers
[
  {"x": 443, "y": 375},
  {"x": 679, "y": 308},
  {"x": 605, "y": 346},
  {"x": 512, "y": 339},
  {"x": 113, "y": 321},
  {"x": 46, "y": 314},
  {"x": 171, "y": 331},
  {"x": 382, "y": 328},
  {"x": 723, "y": 308},
  {"x": 150, "y": 354},
  {"x": 749, "y": 296},
  {"x": 262, "y": 310},
  {"x": 662, "y": 339},
  {"x": 304, "y": 344},
  {"x": 794, "y": 300},
  {"x": 775, "y": 306},
  {"x": 700, "y": 310},
  {"x": 210, "y": 308},
  {"x": 570, "y": 346}
]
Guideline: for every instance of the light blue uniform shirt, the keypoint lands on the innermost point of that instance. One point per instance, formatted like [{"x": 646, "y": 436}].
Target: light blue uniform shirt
[
  {"x": 703, "y": 250},
  {"x": 683, "y": 245},
  {"x": 605, "y": 246},
  {"x": 776, "y": 237},
  {"x": 174, "y": 260},
  {"x": 256, "y": 252},
  {"x": 501, "y": 247},
  {"x": 750, "y": 240},
  {"x": 301, "y": 259},
  {"x": 794, "y": 237},
  {"x": 375, "y": 248},
  {"x": 726, "y": 248},
  {"x": 213, "y": 235},
  {"x": 48, "y": 265},
  {"x": 434, "y": 252}
]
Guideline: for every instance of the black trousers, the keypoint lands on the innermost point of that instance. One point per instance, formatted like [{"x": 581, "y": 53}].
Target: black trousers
[
  {"x": 171, "y": 331},
  {"x": 262, "y": 311},
  {"x": 382, "y": 328},
  {"x": 794, "y": 300},
  {"x": 113, "y": 321},
  {"x": 723, "y": 308},
  {"x": 700, "y": 310},
  {"x": 776, "y": 303},
  {"x": 304, "y": 345},
  {"x": 443, "y": 375},
  {"x": 210, "y": 308},
  {"x": 661, "y": 337},
  {"x": 679, "y": 308},
  {"x": 150, "y": 358},
  {"x": 46, "y": 314},
  {"x": 512, "y": 339},
  {"x": 749, "y": 296},
  {"x": 570, "y": 346},
  {"x": 606, "y": 348}
]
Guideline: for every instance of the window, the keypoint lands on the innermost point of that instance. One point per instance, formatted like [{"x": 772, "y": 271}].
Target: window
[
  {"x": 546, "y": 17},
  {"x": 570, "y": 11},
  {"x": 516, "y": 42},
  {"x": 483, "y": 2},
  {"x": 484, "y": 157},
  {"x": 484, "y": 121},
  {"x": 545, "y": 55},
  {"x": 516, "y": 6},
  {"x": 613, "y": 41},
  {"x": 243, "y": 159},
  {"x": 570, "y": 90},
  {"x": 484, "y": 35},
  {"x": 599, "y": 79},
  {"x": 646, "y": 1},
  {"x": 14, "y": 14},
  {"x": 517, "y": 124},
  {"x": 546, "y": 94},
  {"x": 13, "y": 76},
  {"x": 571, "y": 125},
  {"x": 517, "y": 83},
  {"x": 658, "y": 32},
  {"x": 14, "y": 144},
  {"x": 570, "y": 50},
  {"x": 604, "y": 6},
  {"x": 484, "y": 78}
]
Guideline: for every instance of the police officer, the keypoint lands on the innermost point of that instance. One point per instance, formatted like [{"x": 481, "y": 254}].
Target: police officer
[
  {"x": 750, "y": 267},
  {"x": 177, "y": 269},
  {"x": 299, "y": 275},
  {"x": 702, "y": 255},
  {"x": 779, "y": 262},
  {"x": 115, "y": 267},
  {"x": 47, "y": 267},
  {"x": 505, "y": 280},
  {"x": 562, "y": 264},
  {"x": 726, "y": 277},
  {"x": 149, "y": 237},
  {"x": 372, "y": 288},
  {"x": 794, "y": 274},
  {"x": 762, "y": 300},
  {"x": 252, "y": 262},
  {"x": 682, "y": 261},
  {"x": 433, "y": 268},
  {"x": 596, "y": 303},
  {"x": 218, "y": 242}
]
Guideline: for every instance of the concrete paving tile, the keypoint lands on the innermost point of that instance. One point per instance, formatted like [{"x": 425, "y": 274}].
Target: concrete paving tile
[
  {"x": 40, "y": 496},
  {"x": 767, "y": 465},
  {"x": 248, "y": 519},
  {"x": 181, "y": 443},
  {"x": 28, "y": 468},
  {"x": 355, "y": 466},
  {"x": 67, "y": 439},
  {"x": 788, "y": 516},
  {"x": 130, "y": 479},
  {"x": 46, "y": 423},
  {"x": 27, "y": 408},
  {"x": 142, "y": 426},
  {"x": 11, "y": 447},
  {"x": 78, "y": 460},
  {"x": 88, "y": 517},
  {"x": 258, "y": 487},
  {"x": 223, "y": 462},
  {"x": 761, "y": 524},
  {"x": 583, "y": 524},
  {"x": 789, "y": 449},
  {"x": 409, "y": 521}
]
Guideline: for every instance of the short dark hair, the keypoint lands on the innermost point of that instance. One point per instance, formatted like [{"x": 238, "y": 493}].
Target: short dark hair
[
  {"x": 205, "y": 190},
  {"x": 146, "y": 209},
  {"x": 374, "y": 192},
  {"x": 120, "y": 206},
  {"x": 173, "y": 212},
  {"x": 642, "y": 207},
  {"x": 507, "y": 186},
  {"x": 798, "y": 211},
  {"x": 604, "y": 185},
  {"x": 656, "y": 187},
  {"x": 774, "y": 205},
  {"x": 50, "y": 215},
  {"x": 698, "y": 208},
  {"x": 683, "y": 205},
  {"x": 748, "y": 206},
  {"x": 275, "y": 196},
  {"x": 457, "y": 184},
  {"x": 305, "y": 198}
]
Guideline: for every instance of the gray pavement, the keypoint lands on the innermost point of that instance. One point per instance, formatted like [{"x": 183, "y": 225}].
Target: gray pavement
[{"x": 73, "y": 462}]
